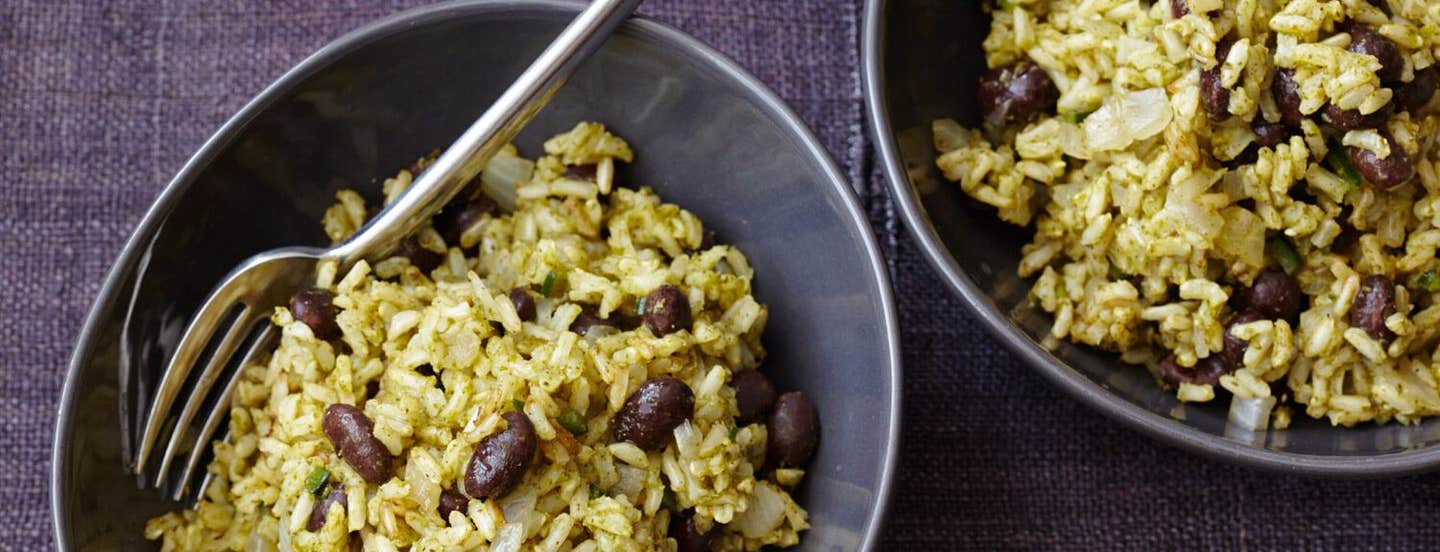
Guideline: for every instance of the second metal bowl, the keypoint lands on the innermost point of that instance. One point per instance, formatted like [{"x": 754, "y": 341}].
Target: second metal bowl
[{"x": 922, "y": 59}]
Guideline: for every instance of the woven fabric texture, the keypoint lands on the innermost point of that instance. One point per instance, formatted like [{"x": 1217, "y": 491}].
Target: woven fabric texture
[{"x": 101, "y": 102}]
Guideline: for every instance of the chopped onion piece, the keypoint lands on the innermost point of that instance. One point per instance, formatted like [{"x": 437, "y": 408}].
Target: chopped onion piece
[
  {"x": 1072, "y": 141},
  {"x": 1191, "y": 217},
  {"x": 1242, "y": 238},
  {"x": 1102, "y": 130},
  {"x": 949, "y": 135},
  {"x": 257, "y": 542},
  {"x": 424, "y": 482},
  {"x": 1251, "y": 413},
  {"x": 284, "y": 544},
  {"x": 1128, "y": 118},
  {"x": 766, "y": 511},
  {"x": 517, "y": 506},
  {"x": 502, "y": 175},
  {"x": 1148, "y": 111},
  {"x": 595, "y": 333},
  {"x": 631, "y": 484},
  {"x": 508, "y": 539}
]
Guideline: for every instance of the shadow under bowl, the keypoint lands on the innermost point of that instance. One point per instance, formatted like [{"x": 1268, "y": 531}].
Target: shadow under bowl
[
  {"x": 708, "y": 137},
  {"x": 922, "y": 59}
]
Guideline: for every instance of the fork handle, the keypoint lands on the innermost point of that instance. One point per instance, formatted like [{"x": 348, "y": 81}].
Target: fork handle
[{"x": 495, "y": 128}]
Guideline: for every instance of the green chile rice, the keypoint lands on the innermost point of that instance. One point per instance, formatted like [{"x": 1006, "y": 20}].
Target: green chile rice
[
  {"x": 1242, "y": 196},
  {"x": 435, "y": 360}
]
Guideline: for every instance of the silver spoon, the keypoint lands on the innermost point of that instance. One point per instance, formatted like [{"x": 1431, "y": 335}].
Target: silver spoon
[{"x": 245, "y": 297}]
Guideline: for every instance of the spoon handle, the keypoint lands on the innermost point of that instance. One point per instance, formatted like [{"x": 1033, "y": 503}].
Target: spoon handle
[{"x": 464, "y": 159}]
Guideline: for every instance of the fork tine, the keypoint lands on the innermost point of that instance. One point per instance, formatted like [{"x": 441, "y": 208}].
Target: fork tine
[
  {"x": 258, "y": 347},
  {"x": 197, "y": 335},
  {"x": 241, "y": 328},
  {"x": 200, "y": 490}
]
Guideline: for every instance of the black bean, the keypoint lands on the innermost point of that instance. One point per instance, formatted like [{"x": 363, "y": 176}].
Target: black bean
[
  {"x": 1373, "y": 304},
  {"x": 754, "y": 396},
  {"x": 458, "y": 217},
  {"x": 1364, "y": 40},
  {"x": 352, "y": 434},
  {"x": 423, "y": 259},
  {"x": 1171, "y": 372},
  {"x": 589, "y": 319},
  {"x": 524, "y": 303},
  {"x": 1178, "y": 8},
  {"x": 319, "y": 514},
  {"x": 451, "y": 501},
  {"x": 1386, "y": 173},
  {"x": 707, "y": 240},
  {"x": 1267, "y": 135},
  {"x": 1016, "y": 92},
  {"x": 1234, "y": 352},
  {"x": 1274, "y": 295},
  {"x": 1214, "y": 96},
  {"x": 1352, "y": 119},
  {"x": 316, "y": 308},
  {"x": 581, "y": 172},
  {"x": 1413, "y": 95},
  {"x": 653, "y": 411},
  {"x": 667, "y": 310},
  {"x": 794, "y": 426},
  {"x": 1287, "y": 97},
  {"x": 501, "y": 459},
  {"x": 687, "y": 537},
  {"x": 1207, "y": 371}
]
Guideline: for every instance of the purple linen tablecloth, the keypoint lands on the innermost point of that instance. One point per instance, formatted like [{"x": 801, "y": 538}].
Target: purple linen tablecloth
[{"x": 101, "y": 102}]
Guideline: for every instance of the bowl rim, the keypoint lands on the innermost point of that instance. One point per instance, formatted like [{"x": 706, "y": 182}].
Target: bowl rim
[
  {"x": 1059, "y": 374},
  {"x": 640, "y": 26}
]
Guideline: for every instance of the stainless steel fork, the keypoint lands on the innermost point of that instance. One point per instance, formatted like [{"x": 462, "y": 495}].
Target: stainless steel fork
[{"x": 240, "y": 304}]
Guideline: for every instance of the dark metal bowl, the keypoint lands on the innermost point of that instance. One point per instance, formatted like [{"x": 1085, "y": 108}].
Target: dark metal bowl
[
  {"x": 708, "y": 136},
  {"x": 922, "y": 59}
]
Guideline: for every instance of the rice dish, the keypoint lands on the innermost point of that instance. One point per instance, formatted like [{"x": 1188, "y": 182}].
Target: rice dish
[
  {"x": 1242, "y": 197},
  {"x": 556, "y": 363}
]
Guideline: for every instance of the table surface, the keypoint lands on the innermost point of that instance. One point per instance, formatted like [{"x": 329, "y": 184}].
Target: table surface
[{"x": 101, "y": 102}]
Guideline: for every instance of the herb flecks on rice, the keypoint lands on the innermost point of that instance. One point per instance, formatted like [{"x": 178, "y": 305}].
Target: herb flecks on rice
[
  {"x": 1242, "y": 196},
  {"x": 439, "y": 362}
]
